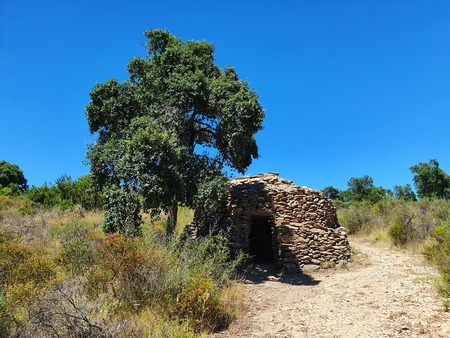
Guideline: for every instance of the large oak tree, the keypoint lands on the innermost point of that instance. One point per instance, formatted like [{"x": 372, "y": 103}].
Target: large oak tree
[{"x": 166, "y": 133}]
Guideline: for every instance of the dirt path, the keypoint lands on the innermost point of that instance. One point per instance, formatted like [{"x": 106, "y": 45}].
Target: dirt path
[{"x": 383, "y": 293}]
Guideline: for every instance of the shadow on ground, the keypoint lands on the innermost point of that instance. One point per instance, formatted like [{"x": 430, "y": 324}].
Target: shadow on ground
[{"x": 262, "y": 272}]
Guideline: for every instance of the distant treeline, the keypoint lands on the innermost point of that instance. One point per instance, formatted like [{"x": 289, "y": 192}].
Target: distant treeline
[
  {"x": 64, "y": 193},
  {"x": 429, "y": 180}
]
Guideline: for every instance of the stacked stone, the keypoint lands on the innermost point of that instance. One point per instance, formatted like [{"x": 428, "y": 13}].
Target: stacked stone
[{"x": 306, "y": 234}]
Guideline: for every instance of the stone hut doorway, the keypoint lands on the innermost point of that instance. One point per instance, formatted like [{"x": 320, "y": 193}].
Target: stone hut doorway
[
  {"x": 261, "y": 239},
  {"x": 269, "y": 217}
]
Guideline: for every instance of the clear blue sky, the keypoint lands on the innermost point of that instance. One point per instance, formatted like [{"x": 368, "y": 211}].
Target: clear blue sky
[{"x": 350, "y": 88}]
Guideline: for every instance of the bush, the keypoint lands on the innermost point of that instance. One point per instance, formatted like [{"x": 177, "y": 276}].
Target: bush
[
  {"x": 77, "y": 254},
  {"x": 438, "y": 253},
  {"x": 47, "y": 196},
  {"x": 76, "y": 280},
  {"x": 65, "y": 311},
  {"x": 401, "y": 230},
  {"x": 25, "y": 272},
  {"x": 360, "y": 218},
  {"x": 119, "y": 262},
  {"x": 210, "y": 255},
  {"x": 198, "y": 304},
  {"x": 404, "y": 221},
  {"x": 399, "y": 233}
]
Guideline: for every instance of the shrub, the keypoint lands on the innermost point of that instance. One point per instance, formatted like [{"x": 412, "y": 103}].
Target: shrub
[
  {"x": 129, "y": 271},
  {"x": 360, "y": 218},
  {"x": 399, "y": 234},
  {"x": 77, "y": 249},
  {"x": 438, "y": 253},
  {"x": 198, "y": 304},
  {"x": 109, "y": 279},
  {"x": 401, "y": 230},
  {"x": 24, "y": 273},
  {"x": 45, "y": 195},
  {"x": 65, "y": 311},
  {"x": 118, "y": 264}
]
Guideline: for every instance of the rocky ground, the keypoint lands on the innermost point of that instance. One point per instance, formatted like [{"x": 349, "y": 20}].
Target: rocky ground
[{"x": 382, "y": 293}]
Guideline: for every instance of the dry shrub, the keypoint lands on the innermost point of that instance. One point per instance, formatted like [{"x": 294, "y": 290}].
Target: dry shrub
[
  {"x": 360, "y": 218},
  {"x": 25, "y": 272},
  {"x": 23, "y": 264},
  {"x": 60, "y": 276},
  {"x": 132, "y": 273},
  {"x": 77, "y": 254},
  {"x": 198, "y": 305},
  {"x": 118, "y": 264},
  {"x": 40, "y": 227},
  {"x": 413, "y": 222},
  {"x": 14, "y": 207},
  {"x": 438, "y": 252},
  {"x": 405, "y": 222},
  {"x": 401, "y": 229},
  {"x": 65, "y": 311}
]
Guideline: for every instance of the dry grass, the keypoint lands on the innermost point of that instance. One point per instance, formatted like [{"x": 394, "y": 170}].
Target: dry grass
[{"x": 112, "y": 284}]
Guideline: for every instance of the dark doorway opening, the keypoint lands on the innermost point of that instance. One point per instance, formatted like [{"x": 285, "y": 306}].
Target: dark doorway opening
[{"x": 261, "y": 243}]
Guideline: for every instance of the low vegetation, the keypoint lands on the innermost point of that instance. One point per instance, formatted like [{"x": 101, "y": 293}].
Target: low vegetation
[
  {"x": 422, "y": 226},
  {"x": 61, "y": 275}
]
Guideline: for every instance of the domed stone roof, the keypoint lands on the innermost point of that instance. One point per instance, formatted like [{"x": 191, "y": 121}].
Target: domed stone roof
[{"x": 270, "y": 217}]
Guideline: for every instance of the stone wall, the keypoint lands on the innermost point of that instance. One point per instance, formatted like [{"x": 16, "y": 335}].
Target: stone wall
[{"x": 304, "y": 225}]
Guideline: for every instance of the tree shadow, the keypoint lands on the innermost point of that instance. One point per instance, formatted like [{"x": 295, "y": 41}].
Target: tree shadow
[{"x": 258, "y": 273}]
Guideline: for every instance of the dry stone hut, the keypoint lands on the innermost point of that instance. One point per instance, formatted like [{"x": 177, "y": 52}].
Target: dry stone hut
[{"x": 272, "y": 218}]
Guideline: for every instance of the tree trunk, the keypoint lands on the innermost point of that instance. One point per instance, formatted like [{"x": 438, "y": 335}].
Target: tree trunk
[{"x": 172, "y": 219}]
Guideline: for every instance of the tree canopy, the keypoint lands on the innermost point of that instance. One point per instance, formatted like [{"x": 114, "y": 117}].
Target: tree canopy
[
  {"x": 430, "y": 180},
  {"x": 331, "y": 192},
  {"x": 11, "y": 174},
  {"x": 169, "y": 130},
  {"x": 404, "y": 192},
  {"x": 359, "y": 189}
]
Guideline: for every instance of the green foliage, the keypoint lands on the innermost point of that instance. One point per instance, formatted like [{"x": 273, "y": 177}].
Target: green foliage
[
  {"x": 12, "y": 190},
  {"x": 359, "y": 188},
  {"x": 24, "y": 273},
  {"x": 198, "y": 305},
  {"x": 404, "y": 192},
  {"x": 45, "y": 195},
  {"x": 170, "y": 129},
  {"x": 211, "y": 194},
  {"x": 77, "y": 249},
  {"x": 11, "y": 174},
  {"x": 430, "y": 180},
  {"x": 122, "y": 211},
  {"x": 359, "y": 218},
  {"x": 438, "y": 252},
  {"x": 331, "y": 193},
  {"x": 84, "y": 194},
  {"x": 210, "y": 255},
  {"x": 77, "y": 280},
  {"x": 399, "y": 232},
  {"x": 66, "y": 194},
  {"x": 362, "y": 189}
]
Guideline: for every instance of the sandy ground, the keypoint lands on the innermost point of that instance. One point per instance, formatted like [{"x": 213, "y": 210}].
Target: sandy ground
[{"x": 382, "y": 293}]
